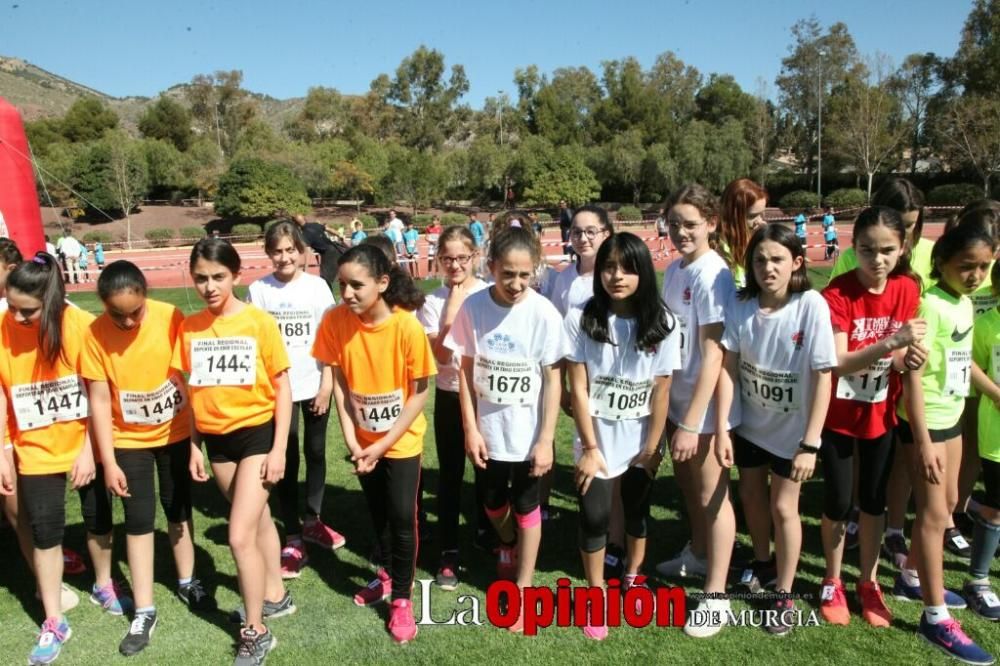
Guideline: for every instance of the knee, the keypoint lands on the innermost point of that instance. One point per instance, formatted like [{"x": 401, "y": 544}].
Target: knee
[
  {"x": 785, "y": 510},
  {"x": 837, "y": 505},
  {"x": 242, "y": 539}
]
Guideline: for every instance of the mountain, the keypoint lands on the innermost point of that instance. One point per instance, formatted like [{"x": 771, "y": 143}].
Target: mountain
[{"x": 41, "y": 94}]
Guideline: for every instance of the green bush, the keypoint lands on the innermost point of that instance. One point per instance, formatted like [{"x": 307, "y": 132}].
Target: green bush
[
  {"x": 159, "y": 237},
  {"x": 956, "y": 194},
  {"x": 191, "y": 233},
  {"x": 628, "y": 213},
  {"x": 451, "y": 219},
  {"x": 253, "y": 188},
  {"x": 368, "y": 221},
  {"x": 245, "y": 230},
  {"x": 98, "y": 237},
  {"x": 797, "y": 199},
  {"x": 846, "y": 198},
  {"x": 422, "y": 220},
  {"x": 543, "y": 217}
]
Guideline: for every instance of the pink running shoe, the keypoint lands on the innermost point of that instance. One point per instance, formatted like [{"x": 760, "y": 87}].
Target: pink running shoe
[
  {"x": 596, "y": 633},
  {"x": 293, "y": 560},
  {"x": 316, "y": 532},
  {"x": 378, "y": 590},
  {"x": 402, "y": 627}
]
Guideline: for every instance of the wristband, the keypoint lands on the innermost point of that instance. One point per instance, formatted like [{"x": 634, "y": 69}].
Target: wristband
[
  {"x": 808, "y": 448},
  {"x": 685, "y": 428}
]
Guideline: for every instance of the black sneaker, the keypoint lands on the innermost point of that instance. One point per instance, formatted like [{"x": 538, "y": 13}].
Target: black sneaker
[
  {"x": 138, "y": 635},
  {"x": 759, "y": 575},
  {"x": 196, "y": 597},
  {"x": 447, "y": 574},
  {"x": 851, "y": 535},
  {"x": 955, "y": 543},
  {"x": 614, "y": 562},
  {"x": 895, "y": 550},
  {"x": 983, "y": 600},
  {"x": 252, "y": 648},
  {"x": 779, "y": 618},
  {"x": 272, "y": 610}
]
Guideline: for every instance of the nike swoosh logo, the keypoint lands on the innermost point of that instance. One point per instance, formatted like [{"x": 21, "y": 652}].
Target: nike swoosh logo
[{"x": 958, "y": 337}]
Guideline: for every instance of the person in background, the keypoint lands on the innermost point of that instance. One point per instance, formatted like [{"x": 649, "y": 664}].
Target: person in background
[
  {"x": 358, "y": 233},
  {"x": 49, "y": 247},
  {"x": 397, "y": 227},
  {"x": 565, "y": 222},
  {"x": 99, "y": 255},
  {"x": 830, "y": 233},
  {"x": 433, "y": 235},
  {"x": 329, "y": 252},
  {"x": 84, "y": 263},
  {"x": 410, "y": 238},
  {"x": 800, "y": 226},
  {"x": 476, "y": 227},
  {"x": 69, "y": 249}
]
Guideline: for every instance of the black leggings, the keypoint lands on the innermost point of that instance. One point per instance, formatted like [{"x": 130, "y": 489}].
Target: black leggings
[
  {"x": 314, "y": 445},
  {"x": 171, "y": 463},
  {"x": 595, "y": 508},
  {"x": 391, "y": 492},
  {"x": 510, "y": 483},
  {"x": 450, "y": 441},
  {"x": 43, "y": 497},
  {"x": 874, "y": 465}
]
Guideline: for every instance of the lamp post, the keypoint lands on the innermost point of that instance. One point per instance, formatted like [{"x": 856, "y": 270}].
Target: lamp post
[{"x": 819, "y": 129}]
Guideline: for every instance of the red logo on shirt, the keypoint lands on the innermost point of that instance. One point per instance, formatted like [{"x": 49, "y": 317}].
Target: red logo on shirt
[{"x": 798, "y": 339}]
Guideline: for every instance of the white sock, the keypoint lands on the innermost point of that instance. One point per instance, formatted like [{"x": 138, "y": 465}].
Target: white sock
[
  {"x": 892, "y": 531},
  {"x": 936, "y": 614},
  {"x": 910, "y": 577}
]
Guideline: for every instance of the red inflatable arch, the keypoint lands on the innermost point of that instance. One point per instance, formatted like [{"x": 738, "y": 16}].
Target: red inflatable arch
[{"x": 18, "y": 198}]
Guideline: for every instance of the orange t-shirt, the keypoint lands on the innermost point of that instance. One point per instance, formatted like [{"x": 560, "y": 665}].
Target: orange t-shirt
[
  {"x": 232, "y": 361},
  {"x": 149, "y": 403},
  {"x": 379, "y": 363},
  {"x": 47, "y": 401}
]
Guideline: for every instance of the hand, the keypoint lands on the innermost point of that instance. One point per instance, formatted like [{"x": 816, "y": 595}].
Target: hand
[
  {"x": 456, "y": 296},
  {"x": 115, "y": 481},
  {"x": 6, "y": 475},
  {"x": 321, "y": 403},
  {"x": 803, "y": 466},
  {"x": 590, "y": 463},
  {"x": 84, "y": 470},
  {"x": 683, "y": 445},
  {"x": 541, "y": 458},
  {"x": 932, "y": 463},
  {"x": 915, "y": 357},
  {"x": 724, "y": 449},
  {"x": 366, "y": 459},
  {"x": 475, "y": 449},
  {"x": 912, "y": 331},
  {"x": 197, "y": 465},
  {"x": 649, "y": 461},
  {"x": 273, "y": 468}
]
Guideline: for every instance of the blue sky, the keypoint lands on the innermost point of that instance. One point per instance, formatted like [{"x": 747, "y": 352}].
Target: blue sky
[{"x": 141, "y": 47}]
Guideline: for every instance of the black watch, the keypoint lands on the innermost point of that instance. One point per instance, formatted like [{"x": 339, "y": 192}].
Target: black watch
[{"x": 808, "y": 448}]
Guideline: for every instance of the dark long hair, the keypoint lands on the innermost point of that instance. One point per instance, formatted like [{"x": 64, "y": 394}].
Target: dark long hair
[
  {"x": 402, "y": 291},
  {"x": 41, "y": 278},
  {"x": 119, "y": 276},
  {"x": 903, "y": 197},
  {"x": 217, "y": 251},
  {"x": 961, "y": 237},
  {"x": 777, "y": 233},
  {"x": 653, "y": 318},
  {"x": 890, "y": 219}
]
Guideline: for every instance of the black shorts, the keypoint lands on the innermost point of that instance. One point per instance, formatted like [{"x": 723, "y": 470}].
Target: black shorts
[
  {"x": 991, "y": 479},
  {"x": 749, "y": 455},
  {"x": 662, "y": 234},
  {"x": 905, "y": 433},
  {"x": 239, "y": 444}
]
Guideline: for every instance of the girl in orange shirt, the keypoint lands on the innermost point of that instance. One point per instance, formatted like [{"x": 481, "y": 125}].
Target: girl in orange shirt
[
  {"x": 42, "y": 391},
  {"x": 381, "y": 362},
  {"x": 242, "y": 405},
  {"x": 142, "y": 421}
]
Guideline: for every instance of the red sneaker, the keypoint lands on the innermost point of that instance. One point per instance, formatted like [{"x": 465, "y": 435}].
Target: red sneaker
[
  {"x": 833, "y": 602},
  {"x": 402, "y": 627},
  {"x": 73, "y": 564},
  {"x": 507, "y": 563},
  {"x": 316, "y": 532},
  {"x": 378, "y": 590},
  {"x": 873, "y": 608},
  {"x": 293, "y": 560}
]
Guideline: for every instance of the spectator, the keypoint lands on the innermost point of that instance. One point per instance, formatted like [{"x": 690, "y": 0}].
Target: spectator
[
  {"x": 69, "y": 248},
  {"x": 800, "y": 227},
  {"x": 358, "y": 235},
  {"x": 830, "y": 233},
  {"x": 84, "y": 263},
  {"x": 99, "y": 255},
  {"x": 433, "y": 235},
  {"x": 397, "y": 225},
  {"x": 476, "y": 227},
  {"x": 329, "y": 252},
  {"x": 565, "y": 222},
  {"x": 49, "y": 247}
]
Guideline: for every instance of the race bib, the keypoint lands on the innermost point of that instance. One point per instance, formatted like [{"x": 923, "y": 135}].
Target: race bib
[
  {"x": 617, "y": 398},
  {"x": 958, "y": 370},
  {"x": 508, "y": 381},
  {"x": 685, "y": 338},
  {"x": 983, "y": 303},
  {"x": 872, "y": 385},
  {"x": 153, "y": 407},
  {"x": 40, "y": 404},
  {"x": 377, "y": 411},
  {"x": 296, "y": 326},
  {"x": 774, "y": 390},
  {"x": 223, "y": 361}
]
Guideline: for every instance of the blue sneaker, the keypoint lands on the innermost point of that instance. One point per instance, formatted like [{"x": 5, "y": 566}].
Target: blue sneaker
[
  {"x": 948, "y": 637},
  {"x": 54, "y": 632},
  {"x": 904, "y": 592},
  {"x": 112, "y": 599}
]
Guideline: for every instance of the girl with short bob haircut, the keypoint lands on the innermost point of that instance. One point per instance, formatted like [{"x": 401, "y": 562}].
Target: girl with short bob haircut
[{"x": 623, "y": 348}]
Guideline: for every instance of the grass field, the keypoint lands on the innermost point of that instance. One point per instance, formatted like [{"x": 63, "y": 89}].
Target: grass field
[{"x": 328, "y": 627}]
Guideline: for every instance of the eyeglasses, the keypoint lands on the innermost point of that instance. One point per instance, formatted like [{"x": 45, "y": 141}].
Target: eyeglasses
[
  {"x": 461, "y": 260},
  {"x": 589, "y": 232},
  {"x": 687, "y": 225}
]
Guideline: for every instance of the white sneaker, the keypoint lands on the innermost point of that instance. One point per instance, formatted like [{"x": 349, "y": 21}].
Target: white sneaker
[
  {"x": 685, "y": 565},
  {"x": 708, "y": 618},
  {"x": 68, "y": 599}
]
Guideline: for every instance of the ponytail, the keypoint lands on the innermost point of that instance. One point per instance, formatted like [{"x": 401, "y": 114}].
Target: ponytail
[
  {"x": 402, "y": 291},
  {"x": 41, "y": 278}
]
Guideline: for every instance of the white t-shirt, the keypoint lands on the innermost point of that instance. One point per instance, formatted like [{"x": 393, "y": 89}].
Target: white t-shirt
[
  {"x": 509, "y": 347},
  {"x": 621, "y": 380},
  {"x": 570, "y": 290},
  {"x": 298, "y": 306},
  {"x": 70, "y": 247},
  {"x": 698, "y": 295},
  {"x": 398, "y": 225},
  {"x": 777, "y": 353},
  {"x": 430, "y": 316}
]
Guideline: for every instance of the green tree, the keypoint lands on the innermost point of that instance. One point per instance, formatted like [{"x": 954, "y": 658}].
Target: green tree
[
  {"x": 347, "y": 178},
  {"x": 624, "y": 161},
  {"x": 164, "y": 166},
  {"x": 130, "y": 175},
  {"x": 969, "y": 134},
  {"x": 762, "y": 134},
  {"x": 324, "y": 114},
  {"x": 169, "y": 120},
  {"x": 43, "y": 133},
  {"x": 915, "y": 84},
  {"x": 976, "y": 66},
  {"x": 416, "y": 176},
  {"x": 253, "y": 188},
  {"x": 203, "y": 166},
  {"x": 87, "y": 120},
  {"x": 722, "y": 98},
  {"x": 221, "y": 107},
  {"x": 561, "y": 110},
  {"x": 547, "y": 174}
]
